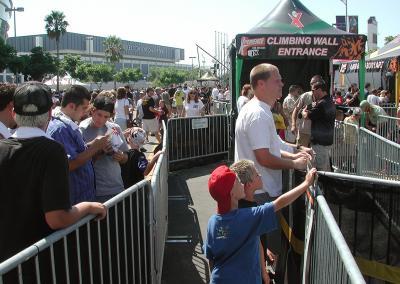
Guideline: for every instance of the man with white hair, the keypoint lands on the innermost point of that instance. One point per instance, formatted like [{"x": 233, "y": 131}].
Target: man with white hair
[
  {"x": 34, "y": 176},
  {"x": 6, "y": 109}
]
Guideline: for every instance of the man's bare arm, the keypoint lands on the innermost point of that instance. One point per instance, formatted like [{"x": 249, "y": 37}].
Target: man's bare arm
[{"x": 59, "y": 219}]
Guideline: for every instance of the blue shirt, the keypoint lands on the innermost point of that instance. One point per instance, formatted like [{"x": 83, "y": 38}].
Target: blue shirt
[
  {"x": 233, "y": 241},
  {"x": 81, "y": 180}
]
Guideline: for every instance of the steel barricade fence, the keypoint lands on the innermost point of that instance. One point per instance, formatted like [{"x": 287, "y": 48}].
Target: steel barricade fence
[
  {"x": 389, "y": 128},
  {"x": 327, "y": 258},
  {"x": 196, "y": 137},
  {"x": 345, "y": 148},
  {"x": 115, "y": 249},
  {"x": 159, "y": 185},
  {"x": 220, "y": 107},
  {"x": 378, "y": 157},
  {"x": 390, "y": 109},
  {"x": 367, "y": 211}
]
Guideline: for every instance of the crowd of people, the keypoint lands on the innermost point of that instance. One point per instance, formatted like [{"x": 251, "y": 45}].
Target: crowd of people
[
  {"x": 64, "y": 156},
  {"x": 60, "y": 163}
]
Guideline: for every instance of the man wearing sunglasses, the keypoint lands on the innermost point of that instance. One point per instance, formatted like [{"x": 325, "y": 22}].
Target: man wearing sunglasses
[{"x": 322, "y": 115}]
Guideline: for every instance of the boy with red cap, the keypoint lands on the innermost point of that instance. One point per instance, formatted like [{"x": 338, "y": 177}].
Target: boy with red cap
[{"x": 233, "y": 235}]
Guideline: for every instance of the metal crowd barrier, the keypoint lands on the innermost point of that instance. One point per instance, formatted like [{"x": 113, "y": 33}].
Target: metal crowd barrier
[
  {"x": 389, "y": 128},
  {"x": 191, "y": 138},
  {"x": 159, "y": 186},
  {"x": 115, "y": 249},
  {"x": 367, "y": 211},
  {"x": 326, "y": 258},
  {"x": 390, "y": 109},
  {"x": 220, "y": 107},
  {"x": 125, "y": 247},
  {"x": 358, "y": 151},
  {"x": 378, "y": 157},
  {"x": 345, "y": 148}
]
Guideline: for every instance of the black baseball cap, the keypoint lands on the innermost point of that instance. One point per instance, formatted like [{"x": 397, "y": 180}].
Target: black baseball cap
[{"x": 32, "y": 93}]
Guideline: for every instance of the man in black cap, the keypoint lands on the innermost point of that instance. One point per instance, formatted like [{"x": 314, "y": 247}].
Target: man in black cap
[{"x": 34, "y": 189}]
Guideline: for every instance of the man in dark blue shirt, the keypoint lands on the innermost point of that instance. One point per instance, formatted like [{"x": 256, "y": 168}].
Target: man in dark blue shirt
[{"x": 63, "y": 128}]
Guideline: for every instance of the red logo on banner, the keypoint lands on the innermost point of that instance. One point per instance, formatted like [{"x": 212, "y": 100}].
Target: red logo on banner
[
  {"x": 296, "y": 16},
  {"x": 248, "y": 43}
]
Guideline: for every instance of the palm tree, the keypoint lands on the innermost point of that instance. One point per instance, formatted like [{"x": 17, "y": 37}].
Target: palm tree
[
  {"x": 56, "y": 25},
  {"x": 113, "y": 51}
]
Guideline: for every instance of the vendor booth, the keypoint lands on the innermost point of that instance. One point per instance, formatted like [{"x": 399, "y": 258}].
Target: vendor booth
[
  {"x": 297, "y": 42},
  {"x": 382, "y": 69}
]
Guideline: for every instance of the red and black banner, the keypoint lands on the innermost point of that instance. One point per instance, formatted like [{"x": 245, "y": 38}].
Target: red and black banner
[
  {"x": 385, "y": 65},
  {"x": 350, "y": 47}
]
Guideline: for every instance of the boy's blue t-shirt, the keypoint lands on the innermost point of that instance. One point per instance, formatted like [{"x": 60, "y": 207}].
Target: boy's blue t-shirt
[{"x": 233, "y": 241}]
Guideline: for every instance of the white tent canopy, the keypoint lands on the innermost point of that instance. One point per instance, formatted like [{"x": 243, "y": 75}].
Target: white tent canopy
[{"x": 64, "y": 82}]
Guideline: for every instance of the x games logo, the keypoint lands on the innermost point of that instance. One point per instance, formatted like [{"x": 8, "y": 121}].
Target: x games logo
[{"x": 296, "y": 16}]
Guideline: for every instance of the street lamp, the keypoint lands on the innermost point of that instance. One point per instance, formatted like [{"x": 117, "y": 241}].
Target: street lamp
[
  {"x": 90, "y": 45},
  {"x": 192, "y": 57},
  {"x": 14, "y": 9},
  {"x": 347, "y": 19}
]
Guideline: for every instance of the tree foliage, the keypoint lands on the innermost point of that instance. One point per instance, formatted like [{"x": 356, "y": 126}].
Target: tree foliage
[
  {"x": 56, "y": 25},
  {"x": 99, "y": 73},
  {"x": 39, "y": 64},
  {"x": 18, "y": 64},
  {"x": 113, "y": 49},
  {"x": 70, "y": 64},
  {"x": 389, "y": 39},
  {"x": 7, "y": 53},
  {"x": 167, "y": 76},
  {"x": 81, "y": 72},
  {"x": 128, "y": 75}
]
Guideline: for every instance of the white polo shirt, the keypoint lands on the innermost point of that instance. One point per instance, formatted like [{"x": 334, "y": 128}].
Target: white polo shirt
[{"x": 255, "y": 129}]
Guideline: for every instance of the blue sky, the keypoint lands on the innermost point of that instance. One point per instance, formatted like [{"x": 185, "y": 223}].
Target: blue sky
[{"x": 182, "y": 23}]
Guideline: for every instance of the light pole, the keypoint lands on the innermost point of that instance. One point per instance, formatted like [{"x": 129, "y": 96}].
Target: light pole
[
  {"x": 347, "y": 18},
  {"x": 192, "y": 57},
  {"x": 14, "y": 9},
  {"x": 90, "y": 45}
]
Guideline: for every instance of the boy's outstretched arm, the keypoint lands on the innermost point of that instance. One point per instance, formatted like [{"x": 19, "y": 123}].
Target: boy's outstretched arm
[
  {"x": 290, "y": 196},
  {"x": 152, "y": 163}
]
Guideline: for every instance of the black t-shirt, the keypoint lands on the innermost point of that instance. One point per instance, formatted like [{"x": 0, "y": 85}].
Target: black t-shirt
[
  {"x": 204, "y": 97},
  {"x": 129, "y": 95},
  {"x": 243, "y": 203},
  {"x": 148, "y": 102},
  {"x": 322, "y": 117},
  {"x": 33, "y": 181},
  {"x": 132, "y": 171},
  {"x": 171, "y": 92}
]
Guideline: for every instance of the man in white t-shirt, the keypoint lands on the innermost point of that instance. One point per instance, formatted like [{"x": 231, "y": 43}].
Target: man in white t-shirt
[
  {"x": 373, "y": 98},
  {"x": 255, "y": 132},
  {"x": 256, "y": 138},
  {"x": 186, "y": 90},
  {"x": 6, "y": 110},
  {"x": 215, "y": 92}
]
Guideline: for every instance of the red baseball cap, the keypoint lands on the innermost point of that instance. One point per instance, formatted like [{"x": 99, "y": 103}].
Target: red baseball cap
[{"x": 220, "y": 185}]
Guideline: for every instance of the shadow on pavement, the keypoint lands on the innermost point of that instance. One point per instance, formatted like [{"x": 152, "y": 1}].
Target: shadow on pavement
[{"x": 184, "y": 261}]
